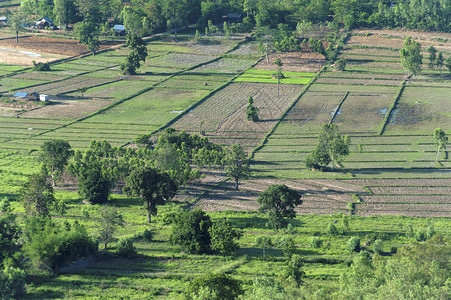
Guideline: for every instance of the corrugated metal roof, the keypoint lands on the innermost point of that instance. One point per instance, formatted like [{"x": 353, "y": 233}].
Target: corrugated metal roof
[
  {"x": 118, "y": 27},
  {"x": 20, "y": 95}
]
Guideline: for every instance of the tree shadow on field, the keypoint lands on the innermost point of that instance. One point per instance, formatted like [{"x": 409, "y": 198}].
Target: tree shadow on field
[
  {"x": 258, "y": 222},
  {"x": 126, "y": 202},
  {"x": 376, "y": 171}
]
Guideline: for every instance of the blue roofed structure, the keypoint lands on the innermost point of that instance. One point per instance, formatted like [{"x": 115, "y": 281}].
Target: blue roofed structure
[{"x": 20, "y": 95}]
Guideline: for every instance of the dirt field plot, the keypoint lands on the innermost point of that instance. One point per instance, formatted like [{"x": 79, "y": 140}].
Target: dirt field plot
[
  {"x": 179, "y": 60},
  {"x": 383, "y": 53},
  {"x": 69, "y": 85},
  {"x": 51, "y": 45},
  {"x": 402, "y": 182},
  {"x": 360, "y": 76},
  {"x": 422, "y": 190},
  {"x": 226, "y": 65},
  {"x": 422, "y": 110},
  {"x": 115, "y": 90},
  {"x": 225, "y": 112},
  {"x": 266, "y": 76},
  {"x": 405, "y": 209},
  {"x": 333, "y": 88},
  {"x": 363, "y": 81},
  {"x": 63, "y": 108},
  {"x": 363, "y": 112},
  {"x": 294, "y": 62},
  {"x": 35, "y": 75},
  {"x": 309, "y": 113},
  {"x": 376, "y": 41},
  {"x": 247, "y": 49},
  {"x": 12, "y": 84},
  {"x": 156, "y": 107}
]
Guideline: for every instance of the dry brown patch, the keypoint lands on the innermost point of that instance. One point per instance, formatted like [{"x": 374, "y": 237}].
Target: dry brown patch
[
  {"x": 294, "y": 62},
  {"x": 62, "y": 108}
]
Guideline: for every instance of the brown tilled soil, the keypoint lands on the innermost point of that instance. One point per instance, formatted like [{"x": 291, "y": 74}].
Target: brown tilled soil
[
  {"x": 50, "y": 45},
  {"x": 294, "y": 62},
  {"x": 64, "y": 107}
]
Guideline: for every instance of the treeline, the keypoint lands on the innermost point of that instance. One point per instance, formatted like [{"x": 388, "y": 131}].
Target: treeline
[{"x": 146, "y": 16}]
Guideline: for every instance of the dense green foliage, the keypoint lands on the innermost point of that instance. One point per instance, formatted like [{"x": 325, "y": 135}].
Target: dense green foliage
[
  {"x": 40, "y": 66},
  {"x": 251, "y": 111},
  {"x": 279, "y": 201},
  {"x": 55, "y": 157},
  {"x": 237, "y": 164},
  {"x": 37, "y": 195},
  {"x": 191, "y": 231},
  {"x": 109, "y": 220},
  {"x": 411, "y": 57},
  {"x": 215, "y": 287},
  {"x": 138, "y": 53},
  {"x": 330, "y": 149},
  {"x": 224, "y": 237},
  {"x": 50, "y": 245},
  {"x": 12, "y": 283}
]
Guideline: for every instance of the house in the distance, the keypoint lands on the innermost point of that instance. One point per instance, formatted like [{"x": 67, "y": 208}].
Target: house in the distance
[
  {"x": 44, "y": 22},
  {"x": 3, "y": 21},
  {"x": 119, "y": 30},
  {"x": 233, "y": 18},
  {"x": 27, "y": 96}
]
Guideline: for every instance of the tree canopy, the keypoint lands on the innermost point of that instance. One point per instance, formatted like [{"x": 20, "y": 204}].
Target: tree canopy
[
  {"x": 411, "y": 57},
  {"x": 279, "y": 201},
  {"x": 55, "y": 156}
]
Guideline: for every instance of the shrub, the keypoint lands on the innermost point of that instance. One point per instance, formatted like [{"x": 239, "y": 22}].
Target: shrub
[
  {"x": 293, "y": 270},
  {"x": 191, "y": 231},
  {"x": 125, "y": 247},
  {"x": 223, "y": 237},
  {"x": 148, "y": 235},
  {"x": 214, "y": 287},
  {"x": 332, "y": 229},
  {"x": 353, "y": 244},
  {"x": 50, "y": 246},
  {"x": 378, "y": 246},
  {"x": 420, "y": 235},
  {"x": 315, "y": 242},
  {"x": 12, "y": 283},
  {"x": 288, "y": 245},
  {"x": 41, "y": 66}
]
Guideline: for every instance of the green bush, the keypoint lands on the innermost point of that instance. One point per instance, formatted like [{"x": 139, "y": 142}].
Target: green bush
[
  {"x": 41, "y": 66},
  {"x": 191, "y": 231},
  {"x": 378, "y": 246},
  {"x": 332, "y": 229},
  {"x": 50, "y": 246},
  {"x": 148, "y": 235},
  {"x": 125, "y": 247},
  {"x": 315, "y": 242},
  {"x": 214, "y": 287},
  {"x": 12, "y": 283},
  {"x": 353, "y": 244}
]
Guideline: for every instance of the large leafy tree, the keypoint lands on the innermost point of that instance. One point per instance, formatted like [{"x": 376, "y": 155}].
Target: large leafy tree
[
  {"x": 330, "y": 149},
  {"x": 191, "y": 231},
  {"x": 88, "y": 34},
  {"x": 55, "y": 156},
  {"x": 280, "y": 201},
  {"x": 223, "y": 237},
  {"x": 138, "y": 53},
  {"x": 237, "y": 164},
  {"x": 109, "y": 220},
  {"x": 152, "y": 186},
  {"x": 16, "y": 21},
  {"x": 37, "y": 195},
  {"x": 411, "y": 57},
  {"x": 175, "y": 12},
  {"x": 440, "y": 141}
]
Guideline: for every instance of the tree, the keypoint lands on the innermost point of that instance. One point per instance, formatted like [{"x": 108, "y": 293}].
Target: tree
[
  {"x": 279, "y": 74},
  {"x": 9, "y": 236},
  {"x": 340, "y": 64},
  {"x": 125, "y": 247},
  {"x": 55, "y": 156},
  {"x": 37, "y": 195},
  {"x": 94, "y": 183},
  {"x": 237, "y": 164},
  {"x": 62, "y": 11},
  {"x": 83, "y": 91},
  {"x": 440, "y": 61},
  {"x": 440, "y": 141},
  {"x": 432, "y": 57},
  {"x": 223, "y": 237},
  {"x": 175, "y": 12},
  {"x": 448, "y": 64},
  {"x": 152, "y": 186},
  {"x": 279, "y": 200},
  {"x": 109, "y": 220},
  {"x": 411, "y": 58},
  {"x": 138, "y": 53},
  {"x": 353, "y": 244},
  {"x": 330, "y": 149},
  {"x": 252, "y": 111},
  {"x": 12, "y": 283},
  {"x": 293, "y": 269},
  {"x": 191, "y": 231},
  {"x": 214, "y": 287},
  {"x": 16, "y": 21},
  {"x": 133, "y": 22},
  {"x": 264, "y": 242},
  {"x": 88, "y": 34}
]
